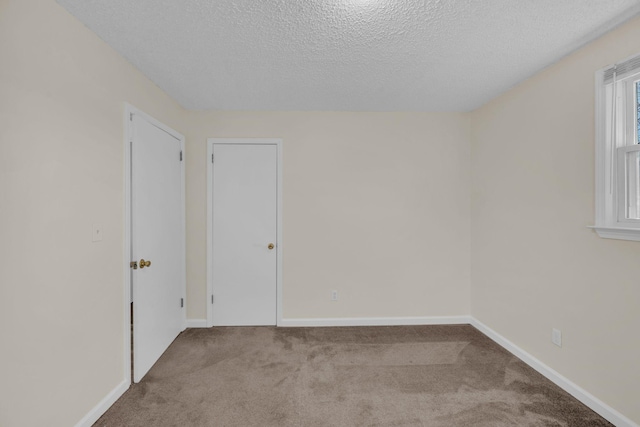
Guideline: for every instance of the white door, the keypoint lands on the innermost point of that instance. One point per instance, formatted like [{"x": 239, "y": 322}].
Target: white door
[
  {"x": 244, "y": 229},
  {"x": 157, "y": 232}
]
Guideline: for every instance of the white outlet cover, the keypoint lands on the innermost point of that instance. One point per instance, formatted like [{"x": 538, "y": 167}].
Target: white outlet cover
[
  {"x": 556, "y": 337},
  {"x": 96, "y": 233},
  {"x": 334, "y": 295}
]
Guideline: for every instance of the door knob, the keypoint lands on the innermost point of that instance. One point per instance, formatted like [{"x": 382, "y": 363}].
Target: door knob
[
  {"x": 144, "y": 263},
  {"x": 271, "y": 246}
]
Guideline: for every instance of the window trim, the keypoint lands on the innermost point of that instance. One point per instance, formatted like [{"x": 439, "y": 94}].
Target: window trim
[{"x": 608, "y": 224}]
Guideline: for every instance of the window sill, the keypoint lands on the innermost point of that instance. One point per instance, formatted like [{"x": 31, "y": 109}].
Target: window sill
[{"x": 619, "y": 233}]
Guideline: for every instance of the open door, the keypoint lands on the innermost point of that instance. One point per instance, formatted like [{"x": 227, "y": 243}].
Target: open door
[{"x": 157, "y": 263}]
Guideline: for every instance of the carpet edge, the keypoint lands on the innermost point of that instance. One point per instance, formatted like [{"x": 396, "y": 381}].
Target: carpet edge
[
  {"x": 197, "y": 323},
  {"x": 97, "y": 411},
  {"x": 597, "y": 405}
]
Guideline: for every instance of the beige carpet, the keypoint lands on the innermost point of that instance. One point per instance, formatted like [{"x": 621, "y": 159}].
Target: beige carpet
[{"x": 366, "y": 376}]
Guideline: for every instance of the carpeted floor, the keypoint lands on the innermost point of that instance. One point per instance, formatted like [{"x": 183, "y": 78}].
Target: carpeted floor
[{"x": 362, "y": 376}]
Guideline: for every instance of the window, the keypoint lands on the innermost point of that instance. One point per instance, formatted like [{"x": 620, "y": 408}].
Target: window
[{"x": 618, "y": 150}]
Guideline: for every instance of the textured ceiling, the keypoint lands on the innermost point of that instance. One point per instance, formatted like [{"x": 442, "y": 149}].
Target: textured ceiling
[{"x": 351, "y": 55}]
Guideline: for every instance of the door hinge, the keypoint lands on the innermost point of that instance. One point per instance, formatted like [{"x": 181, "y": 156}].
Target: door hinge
[
  {"x": 212, "y": 158},
  {"x": 211, "y": 299},
  {"x": 181, "y": 302},
  {"x": 130, "y": 117},
  {"x": 180, "y": 155}
]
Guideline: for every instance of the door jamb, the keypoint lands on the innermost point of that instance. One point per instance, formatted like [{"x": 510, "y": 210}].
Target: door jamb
[
  {"x": 247, "y": 141},
  {"x": 129, "y": 111}
]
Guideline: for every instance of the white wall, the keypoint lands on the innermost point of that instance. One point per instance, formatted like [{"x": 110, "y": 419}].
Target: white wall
[
  {"x": 376, "y": 206},
  {"x": 535, "y": 264},
  {"x": 61, "y": 170}
]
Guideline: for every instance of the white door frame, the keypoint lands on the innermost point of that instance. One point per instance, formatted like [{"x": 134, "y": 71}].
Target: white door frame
[
  {"x": 129, "y": 111},
  {"x": 245, "y": 141}
]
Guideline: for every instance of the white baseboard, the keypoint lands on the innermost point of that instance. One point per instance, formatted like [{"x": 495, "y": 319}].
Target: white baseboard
[
  {"x": 376, "y": 321},
  {"x": 598, "y": 406},
  {"x": 93, "y": 415},
  {"x": 197, "y": 323}
]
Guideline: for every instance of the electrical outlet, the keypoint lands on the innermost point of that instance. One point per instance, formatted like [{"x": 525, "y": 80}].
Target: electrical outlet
[
  {"x": 334, "y": 295},
  {"x": 556, "y": 337}
]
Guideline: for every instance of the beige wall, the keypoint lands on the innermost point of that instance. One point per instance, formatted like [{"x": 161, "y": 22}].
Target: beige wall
[
  {"x": 376, "y": 206},
  {"x": 535, "y": 264},
  {"x": 61, "y": 169}
]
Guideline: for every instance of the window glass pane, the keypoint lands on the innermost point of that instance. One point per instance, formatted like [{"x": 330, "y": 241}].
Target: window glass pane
[{"x": 633, "y": 185}]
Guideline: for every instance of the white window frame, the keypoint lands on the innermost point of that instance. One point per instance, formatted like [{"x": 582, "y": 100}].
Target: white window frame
[{"x": 612, "y": 145}]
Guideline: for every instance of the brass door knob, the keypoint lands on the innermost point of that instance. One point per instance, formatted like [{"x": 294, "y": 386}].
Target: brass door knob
[
  {"x": 271, "y": 246},
  {"x": 144, "y": 263}
]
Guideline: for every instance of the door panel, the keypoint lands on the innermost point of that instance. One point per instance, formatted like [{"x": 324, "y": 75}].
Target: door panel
[
  {"x": 157, "y": 236},
  {"x": 244, "y": 224}
]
